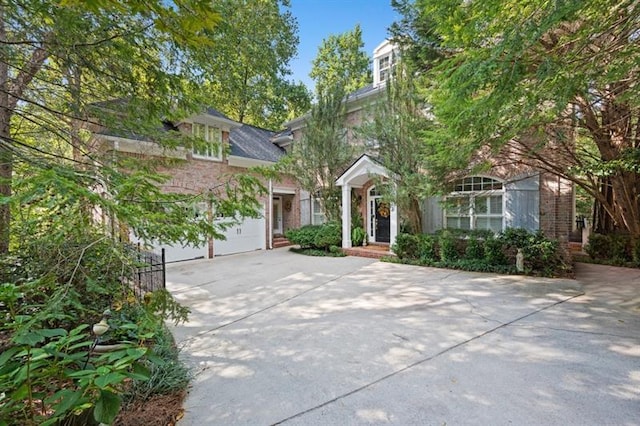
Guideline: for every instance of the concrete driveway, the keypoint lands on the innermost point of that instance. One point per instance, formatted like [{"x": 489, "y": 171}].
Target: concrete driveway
[{"x": 280, "y": 338}]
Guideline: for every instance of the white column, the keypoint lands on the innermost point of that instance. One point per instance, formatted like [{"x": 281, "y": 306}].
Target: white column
[
  {"x": 346, "y": 216},
  {"x": 394, "y": 225},
  {"x": 269, "y": 217}
]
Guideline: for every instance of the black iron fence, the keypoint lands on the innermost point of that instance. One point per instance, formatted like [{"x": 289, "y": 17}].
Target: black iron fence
[{"x": 150, "y": 272}]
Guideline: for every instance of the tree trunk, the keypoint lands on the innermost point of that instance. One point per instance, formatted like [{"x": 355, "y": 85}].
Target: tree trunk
[{"x": 6, "y": 155}]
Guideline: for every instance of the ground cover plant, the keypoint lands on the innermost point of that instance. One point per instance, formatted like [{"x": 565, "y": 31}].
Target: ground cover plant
[
  {"x": 484, "y": 252},
  {"x": 52, "y": 369}
]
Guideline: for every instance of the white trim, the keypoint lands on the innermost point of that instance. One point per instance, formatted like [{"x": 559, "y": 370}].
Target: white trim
[
  {"x": 268, "y": 225},
  {"x": 135, "y": 146},
  {"x": 276, "y": 211},
  {"x": 212, "y": 120},
  {"x": 287, "y": 191},
  {"x": 245, "y": 162},
  {"x": 363, "y": 169}
]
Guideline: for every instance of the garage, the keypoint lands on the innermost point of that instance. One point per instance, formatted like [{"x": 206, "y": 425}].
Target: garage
[{"x": 247, "y": 235}]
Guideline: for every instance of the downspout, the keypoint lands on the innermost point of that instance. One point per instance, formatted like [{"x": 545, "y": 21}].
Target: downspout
[{"x": 270, "y": 221}]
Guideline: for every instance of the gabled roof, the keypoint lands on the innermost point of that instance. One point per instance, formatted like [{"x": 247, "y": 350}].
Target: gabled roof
[
  {"x": 361, "y": 171},
  {"x": 255, "y": 143}
]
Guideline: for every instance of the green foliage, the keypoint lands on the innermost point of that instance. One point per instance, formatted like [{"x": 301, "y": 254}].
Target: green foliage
[
  {"x": 494, "y": 252},
  {"x": 448, "y": 247},
  {"x": 507, "y": 77},
  {"x": 321, "y": 237},
  {"x": 616, "y": 249},
  {"x": 329, "y": 234},
  {"x": 358, "y": 236},
  {"x": 40, "y": 360},
  {"x": 167, "y": 374},
  {"x": 322, "y": 153},
  {"x": 475, "y": 249},
  {"x": 303, "y": 236},
  {"x": 468, "y": 251},
  {"x": 393, "y": 135},
  {"x": 247, "y": 68},
  {"x": 334, "y": 251},
  {"x": 341, "y": 62},
  {"x": 406, "y": 246}
]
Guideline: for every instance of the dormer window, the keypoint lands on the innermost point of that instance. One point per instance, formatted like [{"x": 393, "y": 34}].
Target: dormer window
[
  {"x": 209, "y": 147},
  {"x": 384, "y": 59},
  {"x": 384, "y": 67}
]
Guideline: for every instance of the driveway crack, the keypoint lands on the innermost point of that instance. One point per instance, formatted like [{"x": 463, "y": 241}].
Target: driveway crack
[{"x": 424, "y": 360}]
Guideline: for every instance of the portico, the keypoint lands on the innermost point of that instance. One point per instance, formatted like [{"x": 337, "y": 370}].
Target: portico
[{"x": 381, "y": 221}]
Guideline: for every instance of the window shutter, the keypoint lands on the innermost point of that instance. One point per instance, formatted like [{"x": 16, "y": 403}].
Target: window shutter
[
  {"x": 432, "y": 215},
  {"x": 522, "y": 203}
]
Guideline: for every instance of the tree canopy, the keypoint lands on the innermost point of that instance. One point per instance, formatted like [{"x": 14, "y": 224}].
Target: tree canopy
[
  {"x": 393, "y": 136},
  {"x": 60, "y": 63},
  {"x": 323, "y": 152},
  {"x": 246, "y": 69},
  {"x": 341, "y": 62},
  {"x": 548, "y": 84}
]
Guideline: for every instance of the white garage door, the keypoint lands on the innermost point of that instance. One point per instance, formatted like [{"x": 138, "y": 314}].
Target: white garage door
[
  {"x": 178, "y": 252},
  {"x": 247, "y": 235}
]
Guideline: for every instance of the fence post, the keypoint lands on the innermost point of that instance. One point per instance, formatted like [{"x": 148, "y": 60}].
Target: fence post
[{"x": 164, "y": 271}]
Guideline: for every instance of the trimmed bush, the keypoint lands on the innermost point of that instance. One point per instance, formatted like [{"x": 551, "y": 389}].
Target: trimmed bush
[
  {"x": 320, "y": 237},
  {"x": 448, "y": 247},
  {"x": 484, "y": 252},
  {"x": 329, "y": 234},
  {"x": 304, "y": 236},
  {"x": 428, "y": 248},
  {"x": 407, "y": 246},
  {"x": 616, "y": 249}
]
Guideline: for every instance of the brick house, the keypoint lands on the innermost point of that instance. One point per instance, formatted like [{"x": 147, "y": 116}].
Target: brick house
[
  {"x": 202, "y": 170},
  {"x": 507, "y": 195}
]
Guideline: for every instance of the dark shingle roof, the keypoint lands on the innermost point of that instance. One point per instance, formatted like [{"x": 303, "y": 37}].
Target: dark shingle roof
[
  {"x": 254, "y": 142},
  {"x": 214, "y": 112}
]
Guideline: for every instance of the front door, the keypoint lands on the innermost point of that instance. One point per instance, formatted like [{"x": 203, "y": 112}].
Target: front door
[
  {"x": 276, "y": 215},
  {"x": 383, "y": 221}
]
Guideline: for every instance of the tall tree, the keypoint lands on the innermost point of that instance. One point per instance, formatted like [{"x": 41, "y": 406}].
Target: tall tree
[
  {"x": 393, "y": 133},
  {"x": 322, "y": 153},
  {"x": 341, "y": 62},
  {"x": 57, "y": 61},
  {"x": 246, "y": 70},
  {"x": 519, "y": 77}
]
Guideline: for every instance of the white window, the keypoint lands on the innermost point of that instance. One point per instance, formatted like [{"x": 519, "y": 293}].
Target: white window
[
  {"x": 211, "y": 148},
  {"x": 317, "y": 216},
  {"x": 476, "y": 203},
  {"x": 384, "y": 67}
]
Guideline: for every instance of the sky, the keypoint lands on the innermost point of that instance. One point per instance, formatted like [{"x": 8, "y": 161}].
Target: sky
[{"x": 318, "y": 19}]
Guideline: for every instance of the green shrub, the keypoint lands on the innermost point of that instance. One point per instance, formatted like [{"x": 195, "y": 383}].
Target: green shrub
[
  {"x": 516, "y": 237},
  {"x": 304, "y": 236},
  {"x": 316, "y": 236},
  {"x": 407, "y": 246},
  {"x": 335, "y": 250},
  {"x": 636, "y": 253},
  {"x": 448, "y": 245},
  {"x": 475, "y": 249},
  {"x": 494, "y": 252},
  {"x": 329, "y": 234},
  {"x": 428, "y": 248},
  {"x": 614, "y": 248}
]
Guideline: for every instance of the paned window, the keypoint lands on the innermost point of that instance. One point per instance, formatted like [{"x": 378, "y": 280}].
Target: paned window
[
  {"x": 317, "y": 216},
  {"x": 211, "y": 148},
  {"x": 476, "y": 203}
]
